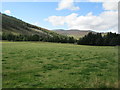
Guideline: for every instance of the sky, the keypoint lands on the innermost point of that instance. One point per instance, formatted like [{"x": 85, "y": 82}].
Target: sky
[{"x": 66, "y": 14}]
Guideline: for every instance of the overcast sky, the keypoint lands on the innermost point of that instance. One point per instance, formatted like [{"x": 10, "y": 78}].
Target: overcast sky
[{"x": 96, "y": 15}]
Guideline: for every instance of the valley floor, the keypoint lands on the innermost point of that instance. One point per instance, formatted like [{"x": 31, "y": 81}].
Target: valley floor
[{"x": 53, "y": 65}]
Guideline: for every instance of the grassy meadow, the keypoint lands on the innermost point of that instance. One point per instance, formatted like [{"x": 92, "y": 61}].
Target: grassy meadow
[{"x": 53, "y": 65}]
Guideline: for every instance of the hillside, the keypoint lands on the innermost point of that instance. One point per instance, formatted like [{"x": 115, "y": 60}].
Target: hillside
[
  {"x": 73, "y": 32},
  {"x": 18, "y": 27}
]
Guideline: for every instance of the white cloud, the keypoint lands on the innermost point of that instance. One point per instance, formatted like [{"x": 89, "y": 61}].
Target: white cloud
[
  {"x": 108, "y": 4},
  {"x": 36, "y": 23},
  {"x": 7, "y": 12},
  {"x": 103, "y": 0},
  {"x": 107, "y": 20},
  {"x": 56, "y": 20},
  {"x": 67, "y": 4}
]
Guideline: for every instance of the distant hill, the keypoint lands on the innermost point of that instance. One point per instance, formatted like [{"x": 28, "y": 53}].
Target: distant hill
[
  {"x": 73, "y": 32},
  {"x": 16, "y": 26}
]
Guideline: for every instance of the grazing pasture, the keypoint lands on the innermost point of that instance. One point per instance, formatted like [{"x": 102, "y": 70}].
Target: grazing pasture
[{"x": 55, "y": 65}]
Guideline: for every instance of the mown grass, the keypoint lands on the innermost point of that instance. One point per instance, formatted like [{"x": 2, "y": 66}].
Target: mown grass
[{"x": 52, "y": 65}]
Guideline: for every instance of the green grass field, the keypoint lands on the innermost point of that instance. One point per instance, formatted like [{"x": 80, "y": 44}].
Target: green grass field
[{"x": 52, "y": 65}]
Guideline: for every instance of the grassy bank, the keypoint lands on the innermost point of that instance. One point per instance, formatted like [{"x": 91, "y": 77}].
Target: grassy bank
[{"x": 52, "y": 65}]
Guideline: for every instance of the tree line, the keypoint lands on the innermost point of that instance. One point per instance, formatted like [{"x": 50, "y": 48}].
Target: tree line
[
  {"x": 35, "y": 37},
  {"x": 96, "y": 39},
  {"x": 110, "y": 39}
]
